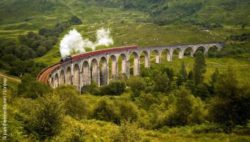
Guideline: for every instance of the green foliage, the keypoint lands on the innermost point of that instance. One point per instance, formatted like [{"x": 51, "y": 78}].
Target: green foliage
[
  {"x": 127, "y": 133},
  {"x": 74, "y": 105},
  {"x": 213, "y": 81},
  {"x": 128, "y": 111},
  {"x": 187, "y": 110},
  {"x": 231, "y": 105},
  {"x": 137, "y": 85},
  {"x": 74, "y": 20},
  {"x": 241, "y": 37},
  {"x": 30, "y": 88},
  {"x": 105, "y": 111},
  {"x": 199, "y": 68},
  {"x": 92, "y": 89},
  {"x": 162, "y": 83},
  {"x": 183, "y": 76},
  {"x": 47, "y": 120},
  {"x": 113, "y": 88}
]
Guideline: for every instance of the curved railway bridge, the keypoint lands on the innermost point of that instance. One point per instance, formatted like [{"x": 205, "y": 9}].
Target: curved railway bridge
[{"x": 101, "y": 66}]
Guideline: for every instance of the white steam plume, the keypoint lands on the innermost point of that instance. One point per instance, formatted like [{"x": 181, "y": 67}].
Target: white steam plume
[
  {"x": 103, "y": 38},
  {"x": 73, "y": 42}
]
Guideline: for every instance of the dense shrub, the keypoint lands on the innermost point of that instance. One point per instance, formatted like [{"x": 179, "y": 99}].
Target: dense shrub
[
  {"x": 31, "y": 88},
  {"x": 241, "y": 37},
  {"x": 47, "y": 119},
  {"x": 136, "y": 85},
  {"x": 106, "y": 111},
  {"x": 127, "y": 133},
  {"x": 128, "y": 111},
  {"x": 162, "y": 83},
  {"x": 113, "y": 88},
  {"x": 187, "y": 110},
  {"x": 74, "y": 105},
  {"x": 92, "y": 89}
]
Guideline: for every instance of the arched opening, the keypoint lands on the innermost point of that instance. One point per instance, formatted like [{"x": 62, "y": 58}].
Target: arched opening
[
  {"x": 52, "y": 83},
  {"x": 144, "y": 59},
  {"x": 212, "y": 51},
  {"x": 103, "y": 71},
  {"x": 56, "y": 81},
  {"x": 155, "y": 56},
  {"x": 176, "y": 53},
  {"x": 86, "y": 74},
  {"x": 76, "y": 77},
  {"x": 165, "y": 55},
  {"x": 95, "y": 71},
  {"x": 122, "y": 66},
  {"x": 134, "y": 64},
  {"x": 114, "y": 67},
  {"x": 188, "y": 52},
  {"x": 62, "y": 78},
  {"x": 68, "y": 76},
  {"x": 200, "y": 49}
]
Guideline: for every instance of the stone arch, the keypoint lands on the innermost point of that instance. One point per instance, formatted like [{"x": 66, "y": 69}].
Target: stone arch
[
  {"x": 155, "y": 55},
  {"x": 76, "y": 77},
  {"x": 165, "y": 55},
  {"x": 52, "y": 82},
  {"x": 95, "y": 76},
  {"x": 200, "y": 49},
  {"x": 212, "y": 50},
  {"x": 135, "y": 58},
  {"x": 122, "y": 65},
  {"x": 114, "y": 67},
  {"x": 104, "y": 72},
  {"x": 62, "y": 78},
  {"x": 177, "y": 53},
  {"x": 189, "y": 51},
  {"x": 68, "y": 76},
  {"x": 56, "y": 81},
  {"x": 86, "y": 79},
  {"x": 145, "y": 58}
]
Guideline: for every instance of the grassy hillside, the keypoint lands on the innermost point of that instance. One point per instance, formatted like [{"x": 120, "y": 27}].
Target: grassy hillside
[{"x": 20, "y": 16}]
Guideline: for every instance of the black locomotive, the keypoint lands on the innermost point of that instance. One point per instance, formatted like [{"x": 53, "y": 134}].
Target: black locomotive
[{"x": 66, "y": 58}]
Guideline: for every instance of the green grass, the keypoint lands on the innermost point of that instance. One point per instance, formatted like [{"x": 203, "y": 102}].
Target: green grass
[{"x": 98, "y": 130}]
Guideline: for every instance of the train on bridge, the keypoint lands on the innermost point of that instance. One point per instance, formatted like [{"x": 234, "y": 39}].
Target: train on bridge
[{"x": 83, "y": 69}]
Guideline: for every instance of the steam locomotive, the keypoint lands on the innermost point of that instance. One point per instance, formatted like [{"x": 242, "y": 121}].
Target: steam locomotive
[{"x": 66, "y": 58}]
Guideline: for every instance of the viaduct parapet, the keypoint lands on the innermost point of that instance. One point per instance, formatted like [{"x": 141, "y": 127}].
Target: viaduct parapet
[{"x": 102, "y": 66}]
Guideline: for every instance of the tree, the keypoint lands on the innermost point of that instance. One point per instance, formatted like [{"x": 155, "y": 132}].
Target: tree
[
  {"x": 136, "y": 85},
  {"x": 162, "y": 83},
  {"x": 75, "y": 20},
  {"x": 231, "y": 105},
  {"x": 47, "y": 119},
  {"x": 128, "y": 111},
  {"x": 199, "y": 68},
  {"x": 182, "y": 76},
  {"x": 187, "y": 109},
  {"x": 213, "y": 81},
  {"x": 74, "y": 105}
]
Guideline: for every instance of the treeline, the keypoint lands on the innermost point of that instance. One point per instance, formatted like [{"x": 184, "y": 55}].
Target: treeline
[{"x": 15, "y": 56}]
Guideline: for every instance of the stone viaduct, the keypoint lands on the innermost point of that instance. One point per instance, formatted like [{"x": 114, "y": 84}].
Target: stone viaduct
[{"x": 101, "y": 66}]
